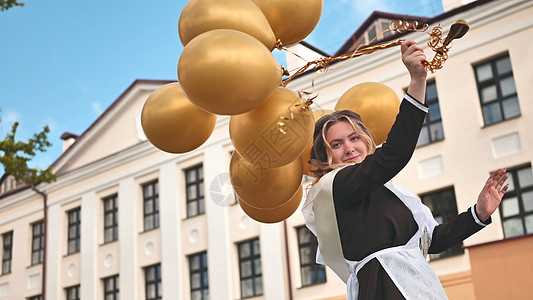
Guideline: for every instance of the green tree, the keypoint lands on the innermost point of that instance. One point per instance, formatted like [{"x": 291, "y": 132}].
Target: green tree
[
  {"x": 6, "y": 4},
  {"x": 15, "y": 155}
]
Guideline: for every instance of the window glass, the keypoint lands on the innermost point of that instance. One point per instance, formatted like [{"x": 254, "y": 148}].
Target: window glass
[
  {"x": 508, "y": 87},
  {"x": 423, "y": 139},
  {"x": 529, "y": 224},
  {"x": 525, "y": 177},
  {"x": 492, "y": 113},
  {"x": 513, "y": 227},
  {"x": 511, "y": 108},
  {"x": 510, "y": 181},
  {"x": 484, "y": 72},
  {"x": 489, "y": 94},
  {"x": 527, "y": 201},
  {"x": 434, "y": 111},
  {"x": 503, "y": 65},
  {"x": 437, "y": 133},
  {"x": 510, "y": 207}
]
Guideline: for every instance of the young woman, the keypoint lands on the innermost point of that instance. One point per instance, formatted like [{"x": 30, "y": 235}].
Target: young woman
[{"x": 373, "y": 234}]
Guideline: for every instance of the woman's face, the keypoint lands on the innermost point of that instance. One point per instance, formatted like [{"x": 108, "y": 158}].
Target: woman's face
[{"x": 346, "y": 145}]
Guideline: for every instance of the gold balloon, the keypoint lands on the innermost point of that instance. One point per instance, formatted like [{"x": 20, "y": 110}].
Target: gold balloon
[
  {"x": 227, "y": 72},
  {"x": 317, "y": 114},
  {"x": 264, "y": 188},
  {"x": 291, "y": 20},
  {"x": 261, "y": 134},
  {"x": 199, "y": 16},
  {"x": 276, "y": 214},
  {"x": 172, "y": 123},
  {"x": 377, "y": 104}
]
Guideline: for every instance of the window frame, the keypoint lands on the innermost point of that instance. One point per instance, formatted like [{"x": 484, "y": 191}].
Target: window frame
[
  {"x": 517, "y": 192},
  {"x": 154, "y": 214},
  {"x": 156, "y": 282},
  {"x": 446, "y": 215},
  {"x": 76, "y": 224},
  {"x": 428, "y": 123},
  {"x": 76, "y": 289},
  {"x": 37, "y": 243},
  {"x": 198, "y": 184},
  {"x": 255, "y": 276},
  {"x": 7, "y": 252},
  {"x": 313, "y": 266},
  {"x": 115, "y": 292},
  {"x": 202, "y": 270},
  {"x": 495, "y": 80},
  {"x": 113, "y": 227}
]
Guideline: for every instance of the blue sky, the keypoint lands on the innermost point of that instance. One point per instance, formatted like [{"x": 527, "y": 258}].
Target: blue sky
[{"x": 62, "y": 63}]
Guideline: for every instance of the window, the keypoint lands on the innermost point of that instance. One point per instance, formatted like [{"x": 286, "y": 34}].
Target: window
[
  {"x": 516, "y": 209},
  {"x": 7, "y": 252},
  {"x": 152, "y": 282},
  {"x": 151, "y": 205},
  {"x": 198, "y": 275},
  {"x": 444, "y": 208},
  {"x": 432, "y": 128},
  {"x": 37, "y": 243},
  {"x": 38, "y": 297},
  {"x": 74, "y": 230},
  {"x": 372, "y": 33},
  {"x": 110, "y": 219},
  {"x": 111, "y": 288},
  {"x": 250, "y": 269},
  {"x": 194, "y": 181},
  {"x": 496, "y": 89},
  {"x": 73, "y": 292},
  {"x": 385, "y": 26},
  {"x": 312, "y": 273}
]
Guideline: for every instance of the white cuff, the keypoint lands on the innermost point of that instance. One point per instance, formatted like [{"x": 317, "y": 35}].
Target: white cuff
[
  {"x": 416, "y": 103},
  {"x": 474, "y": 215}
]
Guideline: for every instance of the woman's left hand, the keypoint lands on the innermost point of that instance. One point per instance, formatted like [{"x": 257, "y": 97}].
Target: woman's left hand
[{"x": 491, "y": 195}]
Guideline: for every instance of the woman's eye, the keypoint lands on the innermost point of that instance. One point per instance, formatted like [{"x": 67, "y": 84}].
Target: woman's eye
[
  {"x": 354, "y": 138},
  {"x": 336, "y": 145}
]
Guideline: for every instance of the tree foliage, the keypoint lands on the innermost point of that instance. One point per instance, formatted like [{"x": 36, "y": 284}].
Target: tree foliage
[
  {"x": 15, "y": 155},
  {"x": 6, "y": 4}
]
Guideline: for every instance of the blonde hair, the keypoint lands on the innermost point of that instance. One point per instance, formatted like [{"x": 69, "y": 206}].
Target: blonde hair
[{"x": 321, "y": 158}]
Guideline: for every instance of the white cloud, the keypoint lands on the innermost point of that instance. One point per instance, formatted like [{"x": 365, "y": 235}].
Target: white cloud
[{"x": 97, "y": 108}]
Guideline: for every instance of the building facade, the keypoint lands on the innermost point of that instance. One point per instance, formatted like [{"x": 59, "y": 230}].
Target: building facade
[{"x": 124, "y": 218}]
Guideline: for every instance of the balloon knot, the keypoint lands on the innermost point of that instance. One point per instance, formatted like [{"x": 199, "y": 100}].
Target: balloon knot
[
  {"x": 278, "y": 45},
  {"x": 285, "y": 71}
]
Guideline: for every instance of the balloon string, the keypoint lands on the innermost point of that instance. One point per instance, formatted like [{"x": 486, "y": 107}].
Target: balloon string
[{"x": 436, "y": 43}]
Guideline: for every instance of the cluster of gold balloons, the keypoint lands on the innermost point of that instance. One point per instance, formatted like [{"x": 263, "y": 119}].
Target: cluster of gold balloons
[{"x": 227, "y": 68}]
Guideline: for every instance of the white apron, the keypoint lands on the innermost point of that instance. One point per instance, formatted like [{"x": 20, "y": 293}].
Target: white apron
[{"x": 406, "y": 265}]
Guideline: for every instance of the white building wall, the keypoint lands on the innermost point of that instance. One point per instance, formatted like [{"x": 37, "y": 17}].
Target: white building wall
[
  {"x": 218, "y": 245},
  {"x": 127, "y": 237},
  {"x": 170, "y": 251}
]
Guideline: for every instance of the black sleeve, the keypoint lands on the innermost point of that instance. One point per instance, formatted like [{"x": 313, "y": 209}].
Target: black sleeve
[
  {"x": 453, "y": 232},
  {"x": 386, "y": 161}
]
